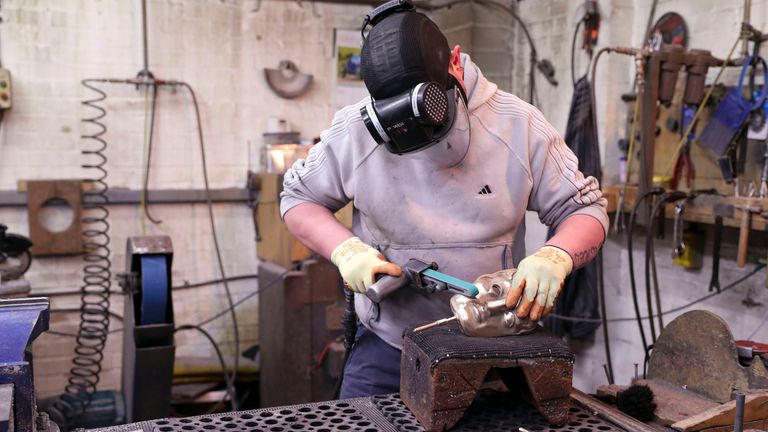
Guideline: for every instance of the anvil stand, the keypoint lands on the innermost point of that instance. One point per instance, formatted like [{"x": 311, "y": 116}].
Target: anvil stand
[{"x": 442, "y": 370}]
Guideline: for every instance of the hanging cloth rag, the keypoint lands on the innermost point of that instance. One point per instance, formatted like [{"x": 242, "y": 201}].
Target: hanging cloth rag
[{"x": 579, "y": 297}]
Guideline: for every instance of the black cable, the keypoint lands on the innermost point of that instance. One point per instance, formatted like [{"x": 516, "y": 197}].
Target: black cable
[
  {"x": 603, "y": 313},
  {"x": 150, "y": 139},
  {"x": 212, "y": 220},
  {"x": 651, "y": 274},
  {"x": 573, "y": 51},
  {"x": 349, "y": 323},
  {"x": 246, "y": 298},
  {"x": 667, "y": 312},
  {"x": 227, "y": 380},
  {"x": 646, "y": 359},
  {"x": 649, "y": 251},
  {"x": 630, "y": 231},
  {"x": 215, "y": 281}
]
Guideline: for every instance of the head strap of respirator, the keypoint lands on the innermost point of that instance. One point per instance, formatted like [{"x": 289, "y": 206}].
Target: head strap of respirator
[{"x": 416, "y": 118}]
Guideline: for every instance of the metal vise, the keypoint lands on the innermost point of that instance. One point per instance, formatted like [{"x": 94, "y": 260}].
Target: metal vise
[{"x": 21, "y": 321}]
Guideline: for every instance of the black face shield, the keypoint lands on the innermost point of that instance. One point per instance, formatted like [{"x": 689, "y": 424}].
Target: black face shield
[{"x": 405, "y": 60}]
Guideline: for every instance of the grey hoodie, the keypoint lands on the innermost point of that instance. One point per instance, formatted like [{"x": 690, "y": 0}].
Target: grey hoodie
[{"x": 466, "y": 215}]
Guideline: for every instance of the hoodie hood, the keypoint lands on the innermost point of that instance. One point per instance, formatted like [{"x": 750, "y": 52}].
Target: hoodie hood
[{"x": 479, "y": 89}]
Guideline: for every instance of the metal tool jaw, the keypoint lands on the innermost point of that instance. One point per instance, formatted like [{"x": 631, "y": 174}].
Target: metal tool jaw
[
  {"x": 21, "y": 321},
  {"x": 486, "y": 315},
  {"x": 424, "y": 278}
]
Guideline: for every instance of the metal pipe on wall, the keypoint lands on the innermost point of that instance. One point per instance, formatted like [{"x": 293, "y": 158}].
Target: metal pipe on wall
[
  {"x": 10, "y": 198},
  {"x": 744, "y": 24}
]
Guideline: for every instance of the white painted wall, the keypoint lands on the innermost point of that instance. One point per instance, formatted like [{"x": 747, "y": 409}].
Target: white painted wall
[
  {"x": 221, "y": 48},
  {"x": 713, "y": 25}
]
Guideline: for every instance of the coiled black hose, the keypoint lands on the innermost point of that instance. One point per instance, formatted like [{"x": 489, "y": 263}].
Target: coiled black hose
[{"x": 97, "y": 275}]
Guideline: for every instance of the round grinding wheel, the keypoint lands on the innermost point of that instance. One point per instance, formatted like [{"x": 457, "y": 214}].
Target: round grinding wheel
[
  {"x": 697, "y": 350},
  {"x": 154, "y": 289}
]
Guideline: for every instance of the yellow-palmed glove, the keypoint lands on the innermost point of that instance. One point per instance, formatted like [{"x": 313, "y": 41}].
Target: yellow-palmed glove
[
  {"x": 359, "y": 264},
  {"x": 541, "y": 275}
]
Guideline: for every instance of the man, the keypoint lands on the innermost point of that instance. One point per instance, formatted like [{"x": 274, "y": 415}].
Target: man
[{"x": 452, "y": 189}]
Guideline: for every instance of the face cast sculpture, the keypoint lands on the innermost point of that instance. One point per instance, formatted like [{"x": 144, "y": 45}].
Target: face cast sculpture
[{"x": 486, "y": 315}]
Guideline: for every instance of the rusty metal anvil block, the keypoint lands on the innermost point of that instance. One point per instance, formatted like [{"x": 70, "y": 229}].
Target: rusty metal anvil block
[{"x": 442, "y": 370}]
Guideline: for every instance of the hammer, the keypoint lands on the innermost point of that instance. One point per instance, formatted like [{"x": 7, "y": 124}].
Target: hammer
[{"x": 746, "y": 218}]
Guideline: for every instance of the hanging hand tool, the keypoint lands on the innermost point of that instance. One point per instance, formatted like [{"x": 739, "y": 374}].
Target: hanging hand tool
[
  {"x": 684, "y": 164},
  {"x": 424, "y": 278},
  {"x": 764, "y": 175},
  {"x": 746, "y": 218},
  {"x": 732, "y": 114},
  {"x": 677, "y": 231},
  {"x": 714, "y": 281}
]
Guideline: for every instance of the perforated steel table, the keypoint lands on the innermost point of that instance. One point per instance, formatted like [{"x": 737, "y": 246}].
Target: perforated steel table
[{"x": 491, "y": 411}]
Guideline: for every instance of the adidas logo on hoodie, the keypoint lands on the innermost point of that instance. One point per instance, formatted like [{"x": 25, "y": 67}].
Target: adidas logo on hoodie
[{"x": 485, "y": 192}]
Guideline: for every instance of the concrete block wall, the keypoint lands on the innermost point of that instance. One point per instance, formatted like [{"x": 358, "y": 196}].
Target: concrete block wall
[
  {"x": 220, "y": 47},
  {"x": 713, "y": 25},
  {"x": 486, "y": 33}
]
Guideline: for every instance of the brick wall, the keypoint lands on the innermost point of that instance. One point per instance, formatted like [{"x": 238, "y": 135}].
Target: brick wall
[
  {"x": 221, "y": 48},
  {"x": 713, "y": 25}
]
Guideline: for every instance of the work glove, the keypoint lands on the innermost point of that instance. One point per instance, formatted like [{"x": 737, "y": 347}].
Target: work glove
[
  {"x": 359, "y": 264},
  {"x": 541, "y": 275}
]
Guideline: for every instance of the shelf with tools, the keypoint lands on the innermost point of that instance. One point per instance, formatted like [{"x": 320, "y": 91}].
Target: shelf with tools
[{"x": 703, "y": 208}]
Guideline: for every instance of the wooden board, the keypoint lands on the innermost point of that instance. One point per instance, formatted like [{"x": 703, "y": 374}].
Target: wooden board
[
  {"x": 610, "y": 413},
  {"x": 722, "y": 416},
  {"x": 674, "y": 403},
  {"x": 701, "y": 209},
  {"x": 66, "y": 242}
]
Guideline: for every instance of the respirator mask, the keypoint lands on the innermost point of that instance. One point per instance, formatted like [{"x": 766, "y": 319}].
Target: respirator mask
[{"x": 405, "y": 61}]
